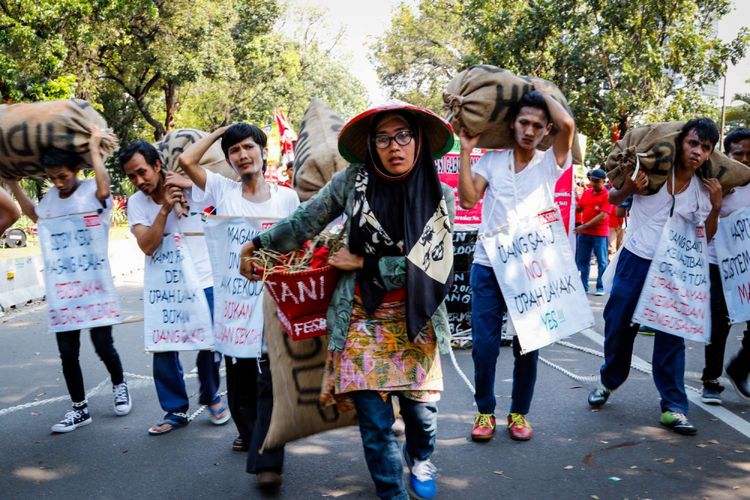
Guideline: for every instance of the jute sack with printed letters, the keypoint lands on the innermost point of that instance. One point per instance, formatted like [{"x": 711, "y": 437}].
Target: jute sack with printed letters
[
  {"x": 316, "y": 154},
  {"x": 177, "y": 141},
  {"x": 297, "y": 373},
  {"x": 478, "y": 100},
  {"x": 655, "y": 145},
  {"x": 26, "y": 129}
]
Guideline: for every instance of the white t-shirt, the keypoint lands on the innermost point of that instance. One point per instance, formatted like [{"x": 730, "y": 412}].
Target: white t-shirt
[
  {"x": 535, "y": 187},
  {"x": 143, "y": 210},
  {"x": 649, "y": 214},
  {"x": 226, "y": 196},
  {"x": 740, "y": 198},
  {"x": 83, "y": 199}
]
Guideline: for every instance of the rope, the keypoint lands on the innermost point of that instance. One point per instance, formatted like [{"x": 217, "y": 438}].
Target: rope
[
  {"x": 578, "y": 378},
  {"x": 141, "y": 380},
  {"x": 461, "y": 373}
]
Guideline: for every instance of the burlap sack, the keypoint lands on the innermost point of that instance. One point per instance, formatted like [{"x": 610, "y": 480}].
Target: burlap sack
[
  {"x": 26, "y": 129},
  {"x": 657, "y": 141},
  {"x": 177, "y": 141},
  {"x": 478, "y": 100},
  {"x": 297, "y": 373},
  {"x": 316, "y": 155}
]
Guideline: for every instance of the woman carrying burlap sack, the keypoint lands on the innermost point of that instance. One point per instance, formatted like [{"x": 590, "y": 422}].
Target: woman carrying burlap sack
[{"x": 387, "y": 319}]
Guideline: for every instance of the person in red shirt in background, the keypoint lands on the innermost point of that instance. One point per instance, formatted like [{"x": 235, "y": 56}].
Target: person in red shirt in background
[
  {"x": 616, "y": 231},
  {"x": 579, "y": 191},
  {"x": 289, "y": 174},
  {"x": 594, "y": 231}
]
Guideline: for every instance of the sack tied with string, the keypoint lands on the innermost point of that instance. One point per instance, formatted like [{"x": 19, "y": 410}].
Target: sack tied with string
[
  {"x": 175, "y": 142},
  {"x": 655, "y": 148},
  {"x": 316, "y": 154},
  {"x": 27, "y": 129},
  {"x": 478, "y": 100}
]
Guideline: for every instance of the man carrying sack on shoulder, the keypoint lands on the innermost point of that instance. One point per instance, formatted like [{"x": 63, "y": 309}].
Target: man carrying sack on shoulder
[
  {"x": 686, "y": 199},
  {"x": 518, "y": 182},
  {"x": 151, "y": 216}
]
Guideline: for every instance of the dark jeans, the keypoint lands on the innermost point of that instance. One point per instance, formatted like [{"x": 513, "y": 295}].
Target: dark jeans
[
  {"x": 250, "y": 397},
  {"x": 169, "y": 376},
  {"x": 668, "y": 360},
  {"x": 69, "y": 345},
  {"x": 585, "y": 246},
  {"x": 382, "y": 452},
  {"x": 170, "y": 382},
  {"x": 487, "y": 309},
  {"x": 720, "y": 327}
]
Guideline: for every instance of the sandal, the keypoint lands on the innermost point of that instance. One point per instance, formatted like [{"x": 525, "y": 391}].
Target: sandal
[
  {"x": 239, "y": 444},
  {"x": 220, "y": 416},
  {"x": 167, "y": 424}
]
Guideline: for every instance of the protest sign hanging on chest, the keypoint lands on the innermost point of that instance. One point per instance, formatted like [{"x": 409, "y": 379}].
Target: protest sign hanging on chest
[
  {"x": 676, "y": 294},
  {"x": 533, "y": 263},
  {"x": 733, "y": 250},
  {"x": 238, "y": 302},
  {"x": 176, "y": 312},
  {"x": 77, "y": 277}
]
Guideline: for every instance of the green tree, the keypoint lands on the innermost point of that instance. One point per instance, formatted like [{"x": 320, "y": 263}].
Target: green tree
[
  {"x": 739, "y": 114},
  {"x": 422, "y": 51},
  {"x": 277, "y": 71},
  {"x": 34, "y": 37},
  {"x": 620, "y": 63}
]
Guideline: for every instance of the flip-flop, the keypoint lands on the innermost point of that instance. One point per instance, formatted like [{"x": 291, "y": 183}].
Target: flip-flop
[
  {"x": 171, "y": 422},
  {"x": 220, "y": 416}
]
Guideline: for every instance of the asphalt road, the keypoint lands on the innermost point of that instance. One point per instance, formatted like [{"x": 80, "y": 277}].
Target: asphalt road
[{"x": 618, "y": 452}]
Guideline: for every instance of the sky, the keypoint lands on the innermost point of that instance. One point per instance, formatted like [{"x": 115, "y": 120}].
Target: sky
[{"x": 365, "y": 20}]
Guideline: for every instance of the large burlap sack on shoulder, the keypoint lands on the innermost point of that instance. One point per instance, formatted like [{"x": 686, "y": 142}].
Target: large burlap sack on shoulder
[
  {"x": 297, "y": 373},
  {"x": 26, "y": 129},
  {"x": 175, "y": 142},
  {"x": 316, "y": 155},
  {"x": 478, "y": 100},
  {"x": 655, "y": 146}
]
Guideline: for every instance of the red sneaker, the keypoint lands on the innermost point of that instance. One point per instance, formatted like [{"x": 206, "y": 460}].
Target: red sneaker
[
  {"x": 518, "y": 427},
  {"x": 484, "y": 427}
]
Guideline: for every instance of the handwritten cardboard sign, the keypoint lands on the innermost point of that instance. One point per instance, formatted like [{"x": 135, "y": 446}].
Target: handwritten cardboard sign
[
  {"x": 534, "y": 266},
  {"x": 176, "y": 316},
  {"x": 676, "y": 294},
  {"x": 733, "y": 250},
  {"x": 77, "y": 278},
  {"x": 238, "y": 303}
]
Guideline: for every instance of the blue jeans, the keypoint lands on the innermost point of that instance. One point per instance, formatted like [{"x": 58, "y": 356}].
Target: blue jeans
[
  {"x": 585, "y": 246},
  {"x": 668, "y": 359},
  {"x": 487, "y": 309},
  {"x": 381, "y": 448},
  {"x": 169, "y": 381}
]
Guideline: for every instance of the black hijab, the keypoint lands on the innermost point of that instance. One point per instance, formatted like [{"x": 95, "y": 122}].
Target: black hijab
[{"x": 403, "y": 206}]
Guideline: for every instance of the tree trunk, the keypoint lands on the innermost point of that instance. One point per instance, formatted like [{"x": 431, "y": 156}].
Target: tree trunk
[
  {"x": 170, "y": 99},
  {"x": 623, "y": 123}
]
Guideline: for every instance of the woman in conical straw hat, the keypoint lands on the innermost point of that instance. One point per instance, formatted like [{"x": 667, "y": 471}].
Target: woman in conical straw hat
[{"x": 387, "y": 320}]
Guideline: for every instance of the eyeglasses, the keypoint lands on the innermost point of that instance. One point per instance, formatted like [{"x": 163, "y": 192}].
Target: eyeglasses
[{"x": 402, "y": 138}]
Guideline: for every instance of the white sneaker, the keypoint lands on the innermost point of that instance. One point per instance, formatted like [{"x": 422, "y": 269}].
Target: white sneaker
[
  {"x": 122, "y": 402},
  {"x": 74, "y": 419}
]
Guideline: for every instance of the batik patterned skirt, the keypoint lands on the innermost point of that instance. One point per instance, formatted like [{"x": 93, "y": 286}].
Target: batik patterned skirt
[{"x": 378, "y": 356}]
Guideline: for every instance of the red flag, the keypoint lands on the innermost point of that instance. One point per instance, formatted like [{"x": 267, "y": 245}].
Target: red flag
[{"x": 566, "y": 201}]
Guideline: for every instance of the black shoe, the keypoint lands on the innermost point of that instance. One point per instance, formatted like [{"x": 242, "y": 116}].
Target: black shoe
[
  {"x": 599, "y": 396},
  {"x": 739, "y": 382},
  {"x": 268, "y": 480},
  {"x": 75, "y": 418},
  {"x": 712, "y": 392},
  {"x": 678, "y": 423}
]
